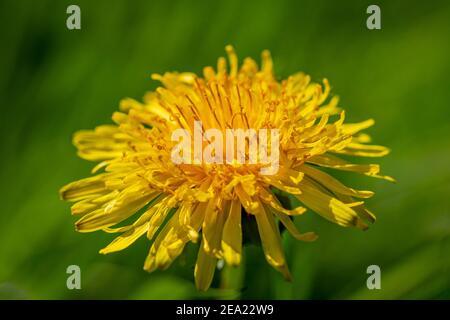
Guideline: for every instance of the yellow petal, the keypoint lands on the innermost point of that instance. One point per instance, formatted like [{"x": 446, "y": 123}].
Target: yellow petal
[
  {"x": 170, "y": 248},
  {"x": 232, "y": 57},
  {"x": 360, "y": 209},
  {"x": 327, "y": 160},
  {"x": 232, "y": 235},
  {"x": 290, "y": 226},
  {"x": 166, "y": 247},
  {"x": 364, "y": 150},
  {"x": 268, "y": 198},
  {"x": 117, "y": 210},
  {"x": 170, "y": 242},
  {"x": 352, "y": 128},
  {"x": 328, "y": 207},
  {"x": 190, "y": 229},
  {"x": 204, "y": 269},
  {"x": 160, "y": 212},
  {"x": 333, "y": 184},
  {"x": 271, "y": 241},
  {"x": 85, "y": 206},
  {"x": 267, "y": 63},
  {"x": 103, "y": 143},
  {"x": 126, "y": 239},
  {"x": 84, "y": 188},
  {"x": 213, "y": 227},
  {"x": 282, "y": 183},
  {"x": 247, "y": 202}
]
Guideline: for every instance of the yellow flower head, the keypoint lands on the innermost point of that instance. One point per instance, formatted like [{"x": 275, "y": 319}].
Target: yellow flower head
[{"x": 174, "y": 203}]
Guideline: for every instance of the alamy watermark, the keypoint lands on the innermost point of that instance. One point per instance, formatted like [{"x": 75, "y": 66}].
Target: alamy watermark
[
  {"x": 374, "y": 280},
  {"x": 373, "y": 22},
  {"x": 207, "y": 147},
  {"x": 73, "y": 21},
  {"x": 74, "y": 279}
]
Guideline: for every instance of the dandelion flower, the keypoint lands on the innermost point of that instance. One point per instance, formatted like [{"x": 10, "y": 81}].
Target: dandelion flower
[{"x": 138, "y": 190}]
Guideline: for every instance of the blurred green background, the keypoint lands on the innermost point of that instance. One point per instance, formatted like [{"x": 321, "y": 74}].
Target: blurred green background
[{"x": 54, "y": 81}]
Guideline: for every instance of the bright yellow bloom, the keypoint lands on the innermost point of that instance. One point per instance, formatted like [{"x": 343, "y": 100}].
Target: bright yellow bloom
[{"x": 176, "y": 204}]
